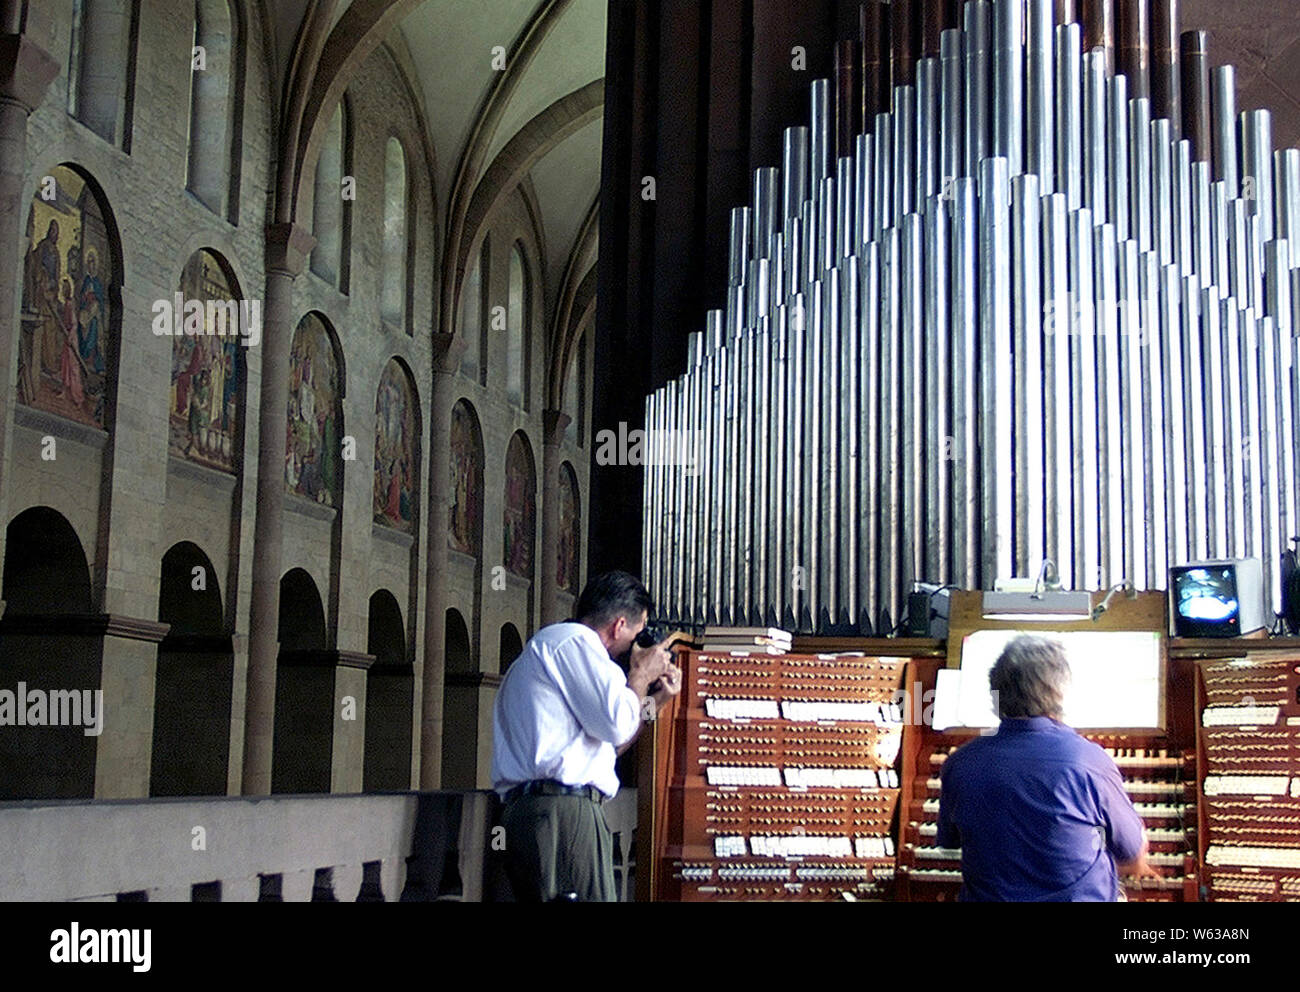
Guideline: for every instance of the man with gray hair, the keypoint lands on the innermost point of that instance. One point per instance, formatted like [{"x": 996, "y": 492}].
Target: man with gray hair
[{"x": 1040, "y": 813}]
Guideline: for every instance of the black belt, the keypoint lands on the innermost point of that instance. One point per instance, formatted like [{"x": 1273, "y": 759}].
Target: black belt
[{"x": 547, "y": 787}]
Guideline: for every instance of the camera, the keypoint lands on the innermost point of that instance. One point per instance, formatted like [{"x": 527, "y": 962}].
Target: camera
[{"x": 651, "y": 634}]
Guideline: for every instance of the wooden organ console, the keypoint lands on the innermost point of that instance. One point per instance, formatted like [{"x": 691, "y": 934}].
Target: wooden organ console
[{"x": 815, "y": 775}]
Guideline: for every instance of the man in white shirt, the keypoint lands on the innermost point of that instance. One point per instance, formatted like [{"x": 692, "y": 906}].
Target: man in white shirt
[{"x": 564, "y": 712}]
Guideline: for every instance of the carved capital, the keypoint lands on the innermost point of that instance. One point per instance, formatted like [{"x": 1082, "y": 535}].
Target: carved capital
[
  {"x": 287, "y": 248},
  {"x": 553, "y": 424},
  {"x": 448, "y": 349},
  {"x": 26, "y": 71}
]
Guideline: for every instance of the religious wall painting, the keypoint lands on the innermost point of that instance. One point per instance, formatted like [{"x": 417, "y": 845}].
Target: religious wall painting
[
  {"x": 207, "y": 370},
  {"x": 68, "y": 314},
  {"x": 312, "y": 453},
  {"x": 396, "y": 471},
  {"x": 566, "y": 574},
  {"x": 465, "y": 524},
  {"x": 520, "y": 507}
]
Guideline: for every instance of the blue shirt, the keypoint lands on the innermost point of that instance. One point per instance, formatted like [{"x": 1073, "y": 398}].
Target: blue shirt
[{"x": 1040, "y": 815}]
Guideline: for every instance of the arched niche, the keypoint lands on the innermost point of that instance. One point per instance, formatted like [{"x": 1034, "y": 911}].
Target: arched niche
[
  {"x": 390, "y": 696},
  {"x": 194, "y": 681}
]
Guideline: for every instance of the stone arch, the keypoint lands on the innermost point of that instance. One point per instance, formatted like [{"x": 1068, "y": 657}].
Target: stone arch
[
  {"x": 313, "y": 465},
  {"x": 569, "y": 564},
  {"x": 515, "y": 161},
  {"x": 208, "y": 371},
  {"x": 101, "y": 66},
  {"x": 395, "y": 297},
  {"x": 520, "y": 513},
  {"x": 390, "y": 698},
  {"x": 194, "y": 681},
  {"x": 511, "y": 646},
  {"x": 395, "y": 493},
  {"x": 460, "y": 718},
  {"x": 304, "y": 690},
  {"x": 46, "y": 584},
  {"x": 214, "y": 87},
  {"x": 71, "y": 300},
  {"x": 465, "y": 521}
]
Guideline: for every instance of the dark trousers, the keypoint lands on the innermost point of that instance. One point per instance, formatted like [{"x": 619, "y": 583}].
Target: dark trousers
[{"x": 556, "y": 845}]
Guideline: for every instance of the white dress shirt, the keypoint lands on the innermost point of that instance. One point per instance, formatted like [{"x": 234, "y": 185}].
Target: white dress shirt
[{"x": 562, "y": 709}]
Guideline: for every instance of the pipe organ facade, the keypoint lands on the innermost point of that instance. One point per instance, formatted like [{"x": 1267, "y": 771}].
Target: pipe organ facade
[{"x": 1024, "y": 287}]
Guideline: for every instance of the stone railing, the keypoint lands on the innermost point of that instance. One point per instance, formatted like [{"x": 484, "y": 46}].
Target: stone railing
[{"x": 409, "y": 846}]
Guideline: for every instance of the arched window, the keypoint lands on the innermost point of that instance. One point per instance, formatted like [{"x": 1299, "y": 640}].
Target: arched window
[
  {"x": 574, "y": 383},
  {"x": 212, "y": 100},
  {"x": 396, "y": 226},
  {"x": 71, "y": 305},
  {"x": 100, "y": 63},
  {"x": 472, "y": 308},
  {"x": 517, "y": 330},
  {"x": 331, "y": 216}
]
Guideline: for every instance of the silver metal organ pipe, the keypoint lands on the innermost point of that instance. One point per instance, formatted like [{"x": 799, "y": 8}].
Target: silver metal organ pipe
[
  {"x": 1040, "y": 105},
  {"x": 904, "y": 177},
  {"x": 1109, "y": 428},
  {"x": 1008, "y": 26},
  {"x": 1223, "y": 127},
  {"x": 1095, "y": 113},
  {"x": 996, "y": 386},
  {"x": 1069, "y": 115},
  {"x": 938, "y": 362},
  {"x": 1027, "y": 338},
  {"x": 927, "y": 131},
  {"x": 965, "y": 386},
  {"x": 952, "y": 137},
  {"x": 1058, "y": 447},
  {"x": 821, "y": 137},
  {"x": 913, "y": 398},
  {"x": 794, "y": 171},
  {"x": 1117, "y": 169},
  {"x": 1084, "y": 402},
  {"x": 978, "y": 29},
  {"x": 1257, "y": 168},
  {"x": 1139, "y": 142}
]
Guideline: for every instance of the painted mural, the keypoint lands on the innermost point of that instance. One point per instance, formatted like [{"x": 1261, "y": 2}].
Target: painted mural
[
  {"x": 465, "y": 524},
  {"x": 395, "y": 464},
  {"x": 67, "y": 315},
  {"x": 206, "y": 374},
  {"x": 520, "y": 510},
  {"x": 566, "y": 573},
  {"x": 311, "y": 458}
]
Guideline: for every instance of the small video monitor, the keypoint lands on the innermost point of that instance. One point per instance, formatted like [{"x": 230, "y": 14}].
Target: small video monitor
[{"x": 1217, "y": 598}]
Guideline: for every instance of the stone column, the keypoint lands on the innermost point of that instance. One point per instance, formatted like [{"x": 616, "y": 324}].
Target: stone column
[
  {"x": 287, "y": 248},
  {"x": 447, "y": 352},
  {"x": 26, "y": 71},
  {"x": 554, "y": 423}
]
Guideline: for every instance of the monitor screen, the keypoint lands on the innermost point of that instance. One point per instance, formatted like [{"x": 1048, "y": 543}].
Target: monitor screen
[
  {"x": 1205, "y": 601},
  {"x": 1115, "y": 680}
]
